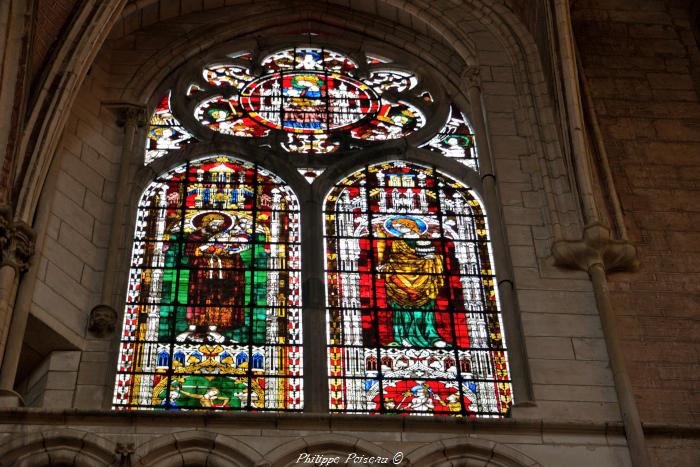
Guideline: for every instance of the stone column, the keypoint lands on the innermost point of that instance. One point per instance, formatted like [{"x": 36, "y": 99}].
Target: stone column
[
  {"x": 520, "y": 374},
  {"x": 15, "y": 24},
  {"x": 596, "y": 252},
  {"x": 16, "y": 248}
]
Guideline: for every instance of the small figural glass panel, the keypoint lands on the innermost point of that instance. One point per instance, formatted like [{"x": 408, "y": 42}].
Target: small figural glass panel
[
  {"x": 308, "y": 102},
  {"x": 213, "y": 308},
  {"x": 413, "y": 318},
  {"x": 165, "y": 133},
  {"x": 456, "y": 140}
]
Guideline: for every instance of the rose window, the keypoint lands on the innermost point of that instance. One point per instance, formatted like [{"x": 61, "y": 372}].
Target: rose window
[{"x": 312, "y": 101}]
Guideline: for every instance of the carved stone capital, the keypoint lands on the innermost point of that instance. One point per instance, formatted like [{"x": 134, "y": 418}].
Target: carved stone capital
[
  {"x": 16, "y": 241},
  {"x": 596, "y": 247},
  {"x": 129, "y": 114},
  {"x": 102, "y": 320},
  {"x": 471, "y": 77}
]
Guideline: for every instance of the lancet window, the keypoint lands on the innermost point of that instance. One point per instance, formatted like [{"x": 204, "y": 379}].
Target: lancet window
[
  {"x": 214, "y": 279},
  {"x": 411, "y": 285}
]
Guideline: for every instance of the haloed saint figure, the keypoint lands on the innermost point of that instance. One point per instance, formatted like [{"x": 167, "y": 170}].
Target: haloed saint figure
[
  {"x": 217, "y": 286},
  {"x": 413, "y": 278}
]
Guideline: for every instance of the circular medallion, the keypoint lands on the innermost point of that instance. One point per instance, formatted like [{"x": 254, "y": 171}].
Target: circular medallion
[{"x": 308, "y": 102}]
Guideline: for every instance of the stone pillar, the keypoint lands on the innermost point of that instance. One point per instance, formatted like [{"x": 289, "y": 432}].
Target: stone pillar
[
  {"x": 596, "y": 252},
  {"x": 520, "y": 374},
  {"x": 16, "y": 248},
  {"x": 15, "y": 24}
]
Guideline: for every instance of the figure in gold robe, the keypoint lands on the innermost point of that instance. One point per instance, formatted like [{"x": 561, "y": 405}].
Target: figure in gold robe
[{"x": 413, "y": 275}]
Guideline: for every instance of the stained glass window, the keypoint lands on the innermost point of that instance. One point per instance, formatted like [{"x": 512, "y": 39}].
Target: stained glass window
[
  {"x": 165, "y": 132},
  {"x": 413, "y": 318},
  {"x": 213, "y": 307}
]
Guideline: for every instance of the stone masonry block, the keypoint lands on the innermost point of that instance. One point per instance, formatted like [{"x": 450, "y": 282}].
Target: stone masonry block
[
  {"x": 590, "y": 349},
  {"x": 57, "y": 306},
  {"x": 92, "y": 373},
  {"x": 561, "y": 325},
  {"x": 523, "y": 256},
  {"x": 585, "y": 373},
  {"x": 100, "y": 163},
  {"x": 92, "y": 180},
  {"x": 515, "y": 215},
  {"x": 89, "y": 397},
  {"x": 73, "y": 214},
  {"x": 558, "y": 392},
  {"x": 71, "y": 188},
  {"x": 82, "y": 247},
  {"x": 70, "y": 289},
  {"x": 510, "y": 171},
  {"x": 58, "y": 399},
  {"x": 56, "y": 253},
  {"x": 555, "y": 348},
  {"x": 556, "y": 301},
  {"x": 64, "y": 360},
  {"x": 519, "y": 235},
  {"x": 580, "y": 411},
  {"x": 511, "y": 193},
  {"x": 61, "y": 380},
  {"x": 97, "y": 208}
]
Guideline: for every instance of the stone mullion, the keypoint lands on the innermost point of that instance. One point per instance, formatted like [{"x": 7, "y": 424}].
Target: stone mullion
[
  {"x": 519, "y": 370},
  {"x": 314, "y": 312}
]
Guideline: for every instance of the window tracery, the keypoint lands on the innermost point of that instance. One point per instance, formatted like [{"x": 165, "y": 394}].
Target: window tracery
[{"x": 311, "y": 101}]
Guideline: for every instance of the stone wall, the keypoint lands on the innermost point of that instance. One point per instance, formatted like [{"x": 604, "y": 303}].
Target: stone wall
[
  {"x": 79, "y": 196},
  {"x": 568, "y": 362},
  {"x": 267, "y": 440},
  {"x": 639, "y": 58}
]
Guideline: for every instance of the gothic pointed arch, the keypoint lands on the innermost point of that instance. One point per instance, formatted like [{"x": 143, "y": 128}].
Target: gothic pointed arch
[{"x": 313, "y": 109}]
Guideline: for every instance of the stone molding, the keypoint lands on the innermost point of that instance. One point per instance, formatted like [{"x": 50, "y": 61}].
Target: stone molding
[
  {"x": 86, "y": 448},
  {"x": 596, "y": 247},
  {"x": 129, "y": 114},
  {"x": 16, "y": 241}
]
